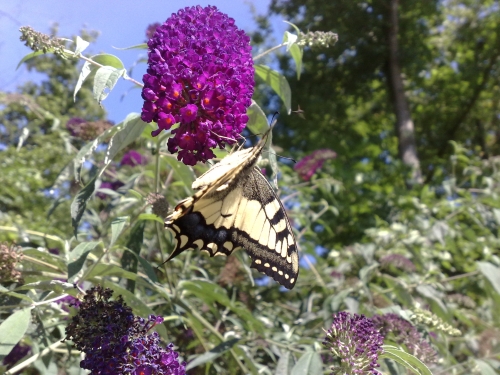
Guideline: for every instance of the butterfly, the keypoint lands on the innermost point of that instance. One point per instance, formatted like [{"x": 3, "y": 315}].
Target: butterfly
[{"x": 236, "y": 207}]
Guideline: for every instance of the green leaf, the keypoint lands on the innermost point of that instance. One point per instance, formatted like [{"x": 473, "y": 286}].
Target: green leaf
[
  {"x": 80, "y": 203},
  {"x": 283, "y": 366},
  {"x": 106, "y": 59},
  {"x": 485, "y": 367},
  {"x": 104, "y": 81},
  {"x": 407, "y": 360},
  {"x": 84, "y": 73},
  {"x": 278, "y": 83},
  {"x": 13, "y": 329},
  {"x": 102, "y": 269},
  {"x": 129, "y": 258},
  {"x": 128, "y": 132},
  {"x": 89, "y": 148},
  {"x": 151, "y": 217},
  {"x": 492, "y": 273},
  {"x": 150, "y": 271},
  {"x": 209, "y": 293},
  {"x": 309, "y": 364},
  {"x": 117, "y": 226},
  {"x": 77, "y": 257},
  {"x": 212, "y": 354},
  {"x": 297, "y": 54},
  {"x": 81, "y": 45},
  {"x": 182, "y": 172},
  {"x": 30, "y": 56},
  {"x": 137, "y": 46},
  {"x": 257, "y": 120}
]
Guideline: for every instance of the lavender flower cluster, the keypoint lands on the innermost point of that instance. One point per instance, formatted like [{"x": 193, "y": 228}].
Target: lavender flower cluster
[
  {"x": 117, "y": 342},
  {"x": 200, "y": 75},
  {"x": 355, "y": 340},
  {"x": 307, "y": 166}
]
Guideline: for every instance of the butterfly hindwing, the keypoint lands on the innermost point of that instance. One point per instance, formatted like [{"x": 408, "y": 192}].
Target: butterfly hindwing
[{"x": 236, "y": 207}]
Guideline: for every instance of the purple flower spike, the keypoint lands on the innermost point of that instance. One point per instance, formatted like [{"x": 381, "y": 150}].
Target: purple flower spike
[
  {"x": 117, "y": 342},
  {"x": 133, "y": 158},
  {"x": 356, "y": 342},
  {"x": 200, "y": 75},
  {"x": 308, "y": 165}
]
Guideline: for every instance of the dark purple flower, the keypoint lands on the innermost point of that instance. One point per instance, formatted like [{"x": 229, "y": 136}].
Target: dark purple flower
[
  {"x": 398, "y": 261},
  {"x": 401, "y": 331},
  {"x": 308, "y": 165},
  {"x": 16, "y": 354},
  {"x": 200, "y": 75},
  {"x": 356, "y": 342},
  {"x": 115, "y": 185},
  {"x": 117, "y": 342},
  {"x": 151, "y": 30},
  {"x": 133, "y": 158}
]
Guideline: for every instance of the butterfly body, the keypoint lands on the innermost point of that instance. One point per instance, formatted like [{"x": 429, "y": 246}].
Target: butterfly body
[{"x": 235, "y": 207}]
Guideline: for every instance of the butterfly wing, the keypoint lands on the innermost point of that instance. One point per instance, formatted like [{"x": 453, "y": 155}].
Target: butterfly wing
[{"x": 236, "y": 207}]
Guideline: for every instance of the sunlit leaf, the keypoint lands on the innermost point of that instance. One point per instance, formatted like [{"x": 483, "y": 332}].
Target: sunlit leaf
[
  {"x": 309, "y": 363},
  {"x": 13, "y": 329},
  {"x": 278, "y": 83}
]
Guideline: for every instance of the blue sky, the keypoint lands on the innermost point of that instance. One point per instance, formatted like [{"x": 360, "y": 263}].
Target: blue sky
[{"x": 120, "y": 23}]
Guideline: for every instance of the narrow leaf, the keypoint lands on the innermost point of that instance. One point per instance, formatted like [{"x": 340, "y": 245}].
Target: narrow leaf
[
  {"x": 183, "y": 173},
  {"x": 30, "y": 56},
  {"x": 77, "y": 257},
  {"x": 309, "y": 364},
  {"x": 283, "y": 366},
  {"x": 492, "y": 273},
  {"x": 84, "y": 73},
  {"x": 212, "y": 354},
  {"x": 128, "y": 132},
  {"x": 150, "y": 271},
  {"x": 13, "y": 329},
  {"x": 278, "y": 83},
  {"x": 80, "y": 203},
  {"x": 134, "y": 244},
  {"x": 151, "y": 217},
  {"x": 409, "y": 361},
  {"x": 117, "y": 226}
]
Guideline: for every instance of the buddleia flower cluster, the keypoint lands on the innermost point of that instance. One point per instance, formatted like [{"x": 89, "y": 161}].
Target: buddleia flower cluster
[
  {"x": 307, "y": 166},
  {"x": 404, "y": 333},
  {"x": 433, "y": 321},
  {"x": 117, "y": 342},
  {"x": 10, "y": 256},
  {"x": 200, "y": 74},
  {"x": 37, "y": 41},
  {"x": 317, "y": 39},
  {"x": 398, "y": 261},
  {"x": 355, "y": 341},
  {"x": 87, "y": 130}
]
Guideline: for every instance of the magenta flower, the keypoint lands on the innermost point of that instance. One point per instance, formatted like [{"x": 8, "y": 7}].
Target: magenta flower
[
  {"x": 200, "y": 75},
  {"x": 133, "y": 158},
  {"x": 355, "y": 342},
  {"x": 308, "y": 165},
  {"x": 150, "y": 30}
]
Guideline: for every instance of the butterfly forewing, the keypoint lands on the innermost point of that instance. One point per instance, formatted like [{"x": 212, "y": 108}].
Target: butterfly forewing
[{"x": 236, "y": 207}]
